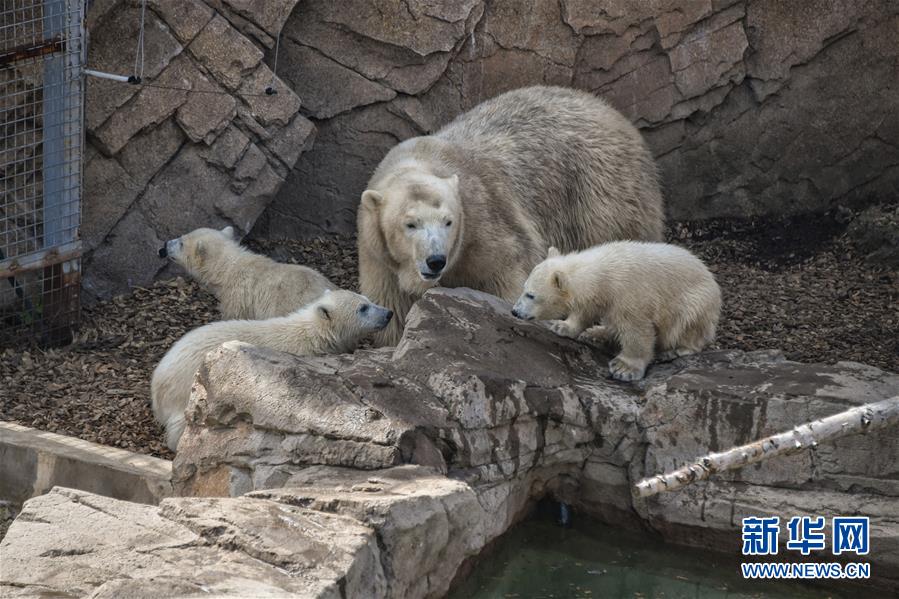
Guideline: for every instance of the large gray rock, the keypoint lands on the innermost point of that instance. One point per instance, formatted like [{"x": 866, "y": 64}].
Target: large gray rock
[
  {"x": 426, "y": 524},
  {"x": 227, "y": 547},
  {"x": 517, "y": 412},
  {"x": 750, "y": 106},
  {"x": 425, "y": 453},
  {"x": 227, "y": 54}
]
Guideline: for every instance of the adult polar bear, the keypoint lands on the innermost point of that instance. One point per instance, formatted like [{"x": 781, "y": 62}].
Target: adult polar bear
[{"x": 478, "y": 203}]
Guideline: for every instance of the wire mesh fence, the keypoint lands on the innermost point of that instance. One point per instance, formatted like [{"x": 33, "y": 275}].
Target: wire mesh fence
[{"x": 41, "y": 143}]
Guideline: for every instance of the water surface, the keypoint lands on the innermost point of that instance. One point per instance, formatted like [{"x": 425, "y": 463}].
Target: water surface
[{"x": 539, "y": 559}]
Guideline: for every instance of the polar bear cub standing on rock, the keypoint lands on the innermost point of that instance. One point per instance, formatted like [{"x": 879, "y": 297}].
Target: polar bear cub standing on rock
[
  {"x": 333, "y": 324},
  {"x": 647, "y": 295},
  {"x": 477, "y": 203},
  {"x": 247, "y": 285}
]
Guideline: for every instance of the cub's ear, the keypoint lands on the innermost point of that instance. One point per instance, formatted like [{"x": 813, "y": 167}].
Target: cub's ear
[
  {"x": 560, "y": 280},
  {"x": 372, "y": 199},
  {"x": 553, "y": 252},
  {"x": 324, "y": 313},
  {"x": 229, "y": 232},
  {"x": 454, "y": 181},
  {"x": 200, "y": 249}
]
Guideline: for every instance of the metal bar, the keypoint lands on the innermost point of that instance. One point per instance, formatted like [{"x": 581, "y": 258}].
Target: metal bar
[
  {"x": 46, "y": 47},
  {"x": 54, "y": 147},
  {"x": 73, "y": 120},
  {"x": 102, "y": 75},
  {"x": 12, "y": 267}
]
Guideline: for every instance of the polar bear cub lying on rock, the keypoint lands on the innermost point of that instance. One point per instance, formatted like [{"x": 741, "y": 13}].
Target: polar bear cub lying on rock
[
  {"x": 646, "y": 295},
  {"x": 333, "y": 324},
  {"x": 246, "y": 285}
]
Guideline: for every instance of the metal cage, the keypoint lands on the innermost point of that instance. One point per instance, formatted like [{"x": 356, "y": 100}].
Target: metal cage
[{"x": 42, "y": 56}]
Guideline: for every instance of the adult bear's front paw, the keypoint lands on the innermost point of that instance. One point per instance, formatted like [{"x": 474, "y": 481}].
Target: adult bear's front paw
[{"x": 623, "y": 369}]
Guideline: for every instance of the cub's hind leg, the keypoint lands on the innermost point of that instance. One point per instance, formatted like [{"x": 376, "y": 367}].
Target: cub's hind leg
[{"x": 694, "y": 338}]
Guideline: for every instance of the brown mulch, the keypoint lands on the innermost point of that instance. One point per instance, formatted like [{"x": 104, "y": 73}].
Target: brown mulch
[
  {"x": 801, "y": 286},
  {"x": 98, "y": 388}
]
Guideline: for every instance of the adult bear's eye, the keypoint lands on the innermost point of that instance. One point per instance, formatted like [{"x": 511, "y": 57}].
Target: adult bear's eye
[
  {"x": 449, "y": 223},
  {"x": 410, "y": 226},
  {"x": 530, "y": 296},
  {"x": 363, "y": 309}
]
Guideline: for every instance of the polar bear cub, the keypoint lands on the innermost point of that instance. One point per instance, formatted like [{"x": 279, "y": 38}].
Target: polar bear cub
[
  {"x": 247, "y": 285},
  {"x": 646, "y": 295},
  {"x": 333, "y": 324}
]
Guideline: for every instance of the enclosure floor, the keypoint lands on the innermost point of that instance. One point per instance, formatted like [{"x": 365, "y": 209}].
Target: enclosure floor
[{"x": 800, "y": 286}]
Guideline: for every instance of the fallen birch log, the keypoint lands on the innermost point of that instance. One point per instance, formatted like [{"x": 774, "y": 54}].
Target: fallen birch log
[{"x": 862, "y": 419}]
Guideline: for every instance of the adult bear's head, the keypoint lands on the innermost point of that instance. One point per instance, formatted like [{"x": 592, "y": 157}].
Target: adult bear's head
[{"x": 420, "y": 220}]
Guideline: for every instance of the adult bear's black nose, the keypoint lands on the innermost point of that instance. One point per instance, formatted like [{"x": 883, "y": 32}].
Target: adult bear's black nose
[
  {"x": 515, "y": 313},
  {"x": 436, "y": 262},
  {"x": 163, "y": 252}
]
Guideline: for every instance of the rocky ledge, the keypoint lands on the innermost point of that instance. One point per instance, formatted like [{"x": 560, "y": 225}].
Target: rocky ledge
[{"x": 380, "y": 474}]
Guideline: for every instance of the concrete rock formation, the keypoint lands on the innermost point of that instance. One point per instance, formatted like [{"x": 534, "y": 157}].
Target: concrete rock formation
[
  {"x": 750, "y": 106},
  {"x": 228, "y": 547},
  {"x": 415, "y": 458},
  {"x": 162, "y": 160}
]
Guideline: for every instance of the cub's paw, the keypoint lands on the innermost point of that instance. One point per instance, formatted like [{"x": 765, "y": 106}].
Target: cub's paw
[
  {"x": 562, "y": 328},
  {"x": 623, "y": 370}
]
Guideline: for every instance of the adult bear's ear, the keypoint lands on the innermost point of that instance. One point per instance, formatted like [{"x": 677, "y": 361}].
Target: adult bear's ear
[
  {"x": 560, "y": 280},
  {"x": 372, "y": 199},
  {"x": 229, "y": 232},
  {"x": 454, "y": 181},
  {"x": 553, "y": 252}
]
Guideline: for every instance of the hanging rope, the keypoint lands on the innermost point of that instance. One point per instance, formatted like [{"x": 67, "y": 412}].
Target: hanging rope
[
  {"x": 270, "y": 90},
  {"x": 136, "y": 78},
  {"x": 139, "y": 52}
]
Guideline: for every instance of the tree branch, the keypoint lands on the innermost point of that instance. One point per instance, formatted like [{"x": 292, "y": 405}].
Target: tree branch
[{"x": 861, "y": 419}]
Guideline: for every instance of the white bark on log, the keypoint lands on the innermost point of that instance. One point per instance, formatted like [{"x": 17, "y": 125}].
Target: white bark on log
[{"x": 861, "y": 419}]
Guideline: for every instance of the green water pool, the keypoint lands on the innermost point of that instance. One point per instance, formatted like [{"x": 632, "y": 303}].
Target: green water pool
[{"x": 539, "y": 559}]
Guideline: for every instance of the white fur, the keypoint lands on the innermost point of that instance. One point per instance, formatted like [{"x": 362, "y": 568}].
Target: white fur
[
  {"x": 247, "y": 285},
  {"x": 492, "y": 190},
  {"x": 646, "y": 295},
  {"x": 332, "y": 324}
]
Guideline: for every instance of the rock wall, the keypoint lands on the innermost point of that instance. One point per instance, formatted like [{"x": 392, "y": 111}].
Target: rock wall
[
  {"x": 199, "y": 144},
  {"x": 750, "y": 106}
]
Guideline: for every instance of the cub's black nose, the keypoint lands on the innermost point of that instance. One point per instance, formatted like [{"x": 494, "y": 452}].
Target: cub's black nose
[
  {"x": 515, "y": 313},
  {"x": 163, "y": 252},
  {"x": 436, "y": 262},
  {"x": 389, "y": 315}
]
